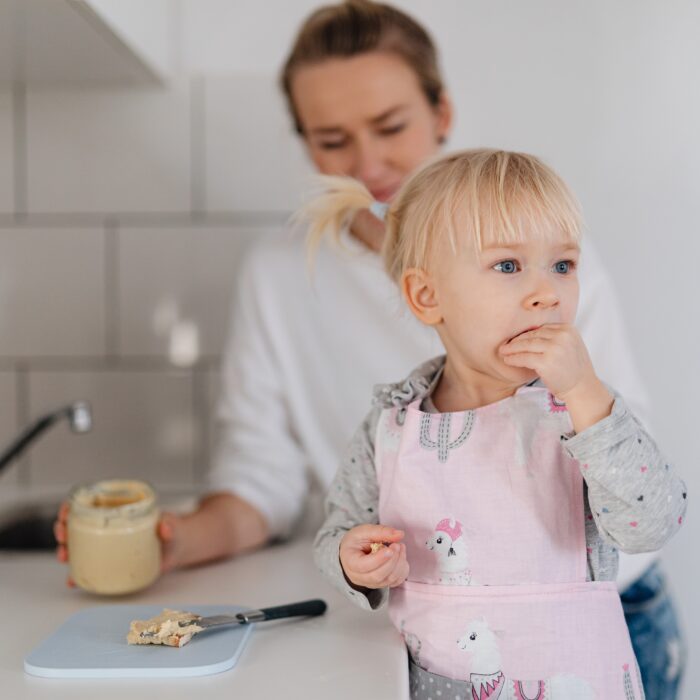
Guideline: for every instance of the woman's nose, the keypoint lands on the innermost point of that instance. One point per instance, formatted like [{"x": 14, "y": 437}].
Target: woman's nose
[{"x": 368, "y": 165}]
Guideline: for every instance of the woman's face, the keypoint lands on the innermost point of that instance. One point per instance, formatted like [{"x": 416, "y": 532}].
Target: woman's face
[{"x": 368, "y": 117}]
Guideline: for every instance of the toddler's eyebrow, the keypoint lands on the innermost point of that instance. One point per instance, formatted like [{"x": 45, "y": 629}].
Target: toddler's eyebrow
[{"x": 564, "y": 247}]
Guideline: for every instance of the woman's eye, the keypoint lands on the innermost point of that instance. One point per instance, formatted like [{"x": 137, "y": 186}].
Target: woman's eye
[
  {"x": 330, "y": 145},
  {"x": 563, "y": 267},
  {"x": 506, "y": 266},
  {"x": 390, "y": 130}
]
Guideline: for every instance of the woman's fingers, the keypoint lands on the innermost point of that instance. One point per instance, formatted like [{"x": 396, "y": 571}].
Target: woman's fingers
[
  {"x": 165, "y": 529},
  {"x": 59, "y": 531},
  {"x": 62, "y": 553},
  {"x": 63, "y": 511}
]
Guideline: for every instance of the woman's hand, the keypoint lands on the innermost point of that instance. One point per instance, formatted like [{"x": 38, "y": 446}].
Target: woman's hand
[
  {"x": 368, "y": 229},
  {"x": 387, "y": 567},
  {"x": 171, "y": 535},
  {"x": 60, "y": 532},
  {"x": 168, "y": 529},
  {"x": 558, "y": 354}
]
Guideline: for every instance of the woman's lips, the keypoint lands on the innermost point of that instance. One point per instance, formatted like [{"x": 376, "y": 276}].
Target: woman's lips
[{"x": 384, "y": 194}]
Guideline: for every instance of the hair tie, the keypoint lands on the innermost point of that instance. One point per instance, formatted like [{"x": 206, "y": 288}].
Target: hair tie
[{"x": 379, "y": 209}]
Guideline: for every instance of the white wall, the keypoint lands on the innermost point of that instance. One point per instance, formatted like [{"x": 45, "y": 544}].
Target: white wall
[{"x": 107, "y": 195}]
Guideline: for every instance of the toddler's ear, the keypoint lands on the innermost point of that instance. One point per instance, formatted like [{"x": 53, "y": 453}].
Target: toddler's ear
[{"x": 419, "y": 292}]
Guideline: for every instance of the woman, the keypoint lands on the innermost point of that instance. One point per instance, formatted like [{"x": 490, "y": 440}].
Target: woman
[{"x": 366, "y": 97}]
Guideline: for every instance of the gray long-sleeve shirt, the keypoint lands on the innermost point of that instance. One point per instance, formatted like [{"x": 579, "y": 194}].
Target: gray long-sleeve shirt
[{"x": 617, "y": 490}]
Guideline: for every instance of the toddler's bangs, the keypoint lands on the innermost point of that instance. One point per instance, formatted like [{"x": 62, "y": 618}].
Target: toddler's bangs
[{"x": 509, "y": 199}]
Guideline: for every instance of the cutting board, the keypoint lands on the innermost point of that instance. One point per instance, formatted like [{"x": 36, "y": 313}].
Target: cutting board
[{"x": 92, "y": 644}]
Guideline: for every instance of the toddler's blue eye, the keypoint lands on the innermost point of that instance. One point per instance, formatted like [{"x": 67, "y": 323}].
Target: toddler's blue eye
[
  {"x": 563, "y": 266},
  {"x": 506, "y": 266}
]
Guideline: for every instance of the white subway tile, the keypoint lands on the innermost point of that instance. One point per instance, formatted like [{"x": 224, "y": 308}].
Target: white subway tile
[
  {"x": 109, "y": 150},
  {"x": 143, "y": 427},
  {"x": 254, "y": 160},
  {"x": 51, "y": 292},
  {"x": 7, "y": 163},
  {"x": 175, "y": 288}
]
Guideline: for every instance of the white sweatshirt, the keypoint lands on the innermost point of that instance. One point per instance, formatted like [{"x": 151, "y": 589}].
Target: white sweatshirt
[{"x": 306, "y": 348}]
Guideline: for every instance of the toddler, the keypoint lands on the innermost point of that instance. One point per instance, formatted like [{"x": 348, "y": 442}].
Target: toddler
[{"x": 503, "y": 477}]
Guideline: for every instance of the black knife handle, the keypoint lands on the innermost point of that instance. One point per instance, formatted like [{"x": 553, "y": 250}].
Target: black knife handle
[{"x": 306, "y": 607}]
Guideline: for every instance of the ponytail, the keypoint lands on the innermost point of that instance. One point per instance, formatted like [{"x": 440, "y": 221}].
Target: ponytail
[{"x": 331, "y": 211}]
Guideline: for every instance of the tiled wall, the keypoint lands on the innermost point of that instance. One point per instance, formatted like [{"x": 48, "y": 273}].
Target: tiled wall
[{"x": 123, "y": 217}]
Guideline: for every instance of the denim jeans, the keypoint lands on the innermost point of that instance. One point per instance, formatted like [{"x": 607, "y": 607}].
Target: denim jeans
[{"x": 655, "y": 634}]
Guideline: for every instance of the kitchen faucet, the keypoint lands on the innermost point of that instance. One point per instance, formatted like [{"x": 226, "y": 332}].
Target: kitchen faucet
[{"x": 78, "y": 414}]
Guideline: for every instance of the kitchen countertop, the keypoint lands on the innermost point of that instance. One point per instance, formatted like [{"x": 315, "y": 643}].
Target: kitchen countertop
[{"x": 347, "y": 653}]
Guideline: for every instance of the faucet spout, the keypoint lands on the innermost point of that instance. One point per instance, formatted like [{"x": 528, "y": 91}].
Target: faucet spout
[{"x": 78, "y": 414}]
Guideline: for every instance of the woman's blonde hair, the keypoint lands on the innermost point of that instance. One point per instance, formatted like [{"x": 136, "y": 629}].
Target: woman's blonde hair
[
  {"x": 496, "y": 197},
  {"x": 360, "y": 26}
]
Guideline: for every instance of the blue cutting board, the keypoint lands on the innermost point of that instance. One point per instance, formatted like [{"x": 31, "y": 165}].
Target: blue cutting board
[{"x": 92, "y": 644}]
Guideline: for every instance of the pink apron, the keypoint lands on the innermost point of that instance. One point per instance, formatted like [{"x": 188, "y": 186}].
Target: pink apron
[{"x": 493, "y": 511}]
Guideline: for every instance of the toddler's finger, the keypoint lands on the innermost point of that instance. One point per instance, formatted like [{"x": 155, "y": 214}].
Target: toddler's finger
[
  {"x": 369, "y": 563},
  {"x": 365, "y": 535},
  {"x": 530, "y": 360},
  {"x": 70, "y": 583},
  {"x": 389, "y": 571},
  {"x": 384, "y": 569},
  {"x": 62, "y": 553}
]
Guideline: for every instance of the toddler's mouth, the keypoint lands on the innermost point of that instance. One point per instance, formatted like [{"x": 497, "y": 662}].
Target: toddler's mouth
[{"x": 526, "y": 330}]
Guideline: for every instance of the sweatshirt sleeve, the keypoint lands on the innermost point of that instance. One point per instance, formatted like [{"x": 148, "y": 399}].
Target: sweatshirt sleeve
[
  {"x": 259, "y": 456},
  {"x": 353, "y": 499},
  {"x": 636, "y": 498}
]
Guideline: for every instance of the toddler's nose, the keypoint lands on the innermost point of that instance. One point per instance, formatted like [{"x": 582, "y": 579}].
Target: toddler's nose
[{"x": 543, "y": 295}]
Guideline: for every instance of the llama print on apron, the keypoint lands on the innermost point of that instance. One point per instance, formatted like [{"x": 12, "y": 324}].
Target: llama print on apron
[{"x": 492, "y": 507}]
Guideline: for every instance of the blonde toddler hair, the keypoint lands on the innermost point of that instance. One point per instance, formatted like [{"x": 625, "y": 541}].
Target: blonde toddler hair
[{"x": 496, "y": 197}]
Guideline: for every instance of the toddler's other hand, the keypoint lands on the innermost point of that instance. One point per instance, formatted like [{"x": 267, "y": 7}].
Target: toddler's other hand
[
  {"x": 557, "y": 353},
  {"x": 388, "y": 567}
]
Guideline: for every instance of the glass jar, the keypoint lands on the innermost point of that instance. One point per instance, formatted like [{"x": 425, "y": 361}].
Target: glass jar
[{"x": 113, "y": 545}]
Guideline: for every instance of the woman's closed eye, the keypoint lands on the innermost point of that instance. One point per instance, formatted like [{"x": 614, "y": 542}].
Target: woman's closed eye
[
  {"x": 335, "y": 144},
  {"x": 393, "y": 129}
]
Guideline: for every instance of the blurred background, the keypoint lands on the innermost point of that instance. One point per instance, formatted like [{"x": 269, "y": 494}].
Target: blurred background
[{"x": 143, "y": 145}]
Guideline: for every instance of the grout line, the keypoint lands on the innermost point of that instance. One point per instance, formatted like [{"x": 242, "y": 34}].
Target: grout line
[
  {"x": 22, "y": 408},
  {"x": 112, "y": 337},
  {"x": 202, "y": 425},
  {"x": 198, "y": 156},
  {"x": 251, "y": 218},
  {"x": 142, "y": 363},
  {"x": 19, "y": 127}
]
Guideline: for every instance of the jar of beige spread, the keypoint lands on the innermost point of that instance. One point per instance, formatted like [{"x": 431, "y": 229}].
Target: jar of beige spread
[{"x": 113, "y": 547}]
